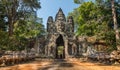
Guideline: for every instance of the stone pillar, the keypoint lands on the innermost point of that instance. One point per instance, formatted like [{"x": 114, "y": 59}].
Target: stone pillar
[
  {"x": 49, "y": 50},
  {"x": 74, "y": 49},
  {"x": 66, "y": 49},
  {"x": 46, "y": 50},
  {"x": 38, "y": 48},
  {"x": 54, "y": 50},
  {"x": 80, "y": 49},
  {"x": 84, "y": 47}
]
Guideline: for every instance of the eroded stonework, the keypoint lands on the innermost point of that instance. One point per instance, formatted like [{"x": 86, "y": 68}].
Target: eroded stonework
[{"x": 60, "y": 32}]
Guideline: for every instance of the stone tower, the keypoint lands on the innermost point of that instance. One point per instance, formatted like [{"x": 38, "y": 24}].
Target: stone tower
[{"x": 60, "y": 32}]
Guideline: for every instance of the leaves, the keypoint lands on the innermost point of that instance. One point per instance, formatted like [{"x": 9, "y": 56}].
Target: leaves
[
  {"x": 15, "y": 10},
  {"x": 95, "y": 19},
  {"x": 78, "y": 1},
  {"x": 28, "y": 29},
  {"x": 20, "y": 17}
]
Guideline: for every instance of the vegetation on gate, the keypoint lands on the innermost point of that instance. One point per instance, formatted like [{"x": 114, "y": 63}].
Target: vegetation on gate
[
  {"x": 19, "y": 24},
  {"x": 96, "y": 19}
]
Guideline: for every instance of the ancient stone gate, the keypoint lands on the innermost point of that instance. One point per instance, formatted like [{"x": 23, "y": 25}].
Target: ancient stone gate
[{"x": 60, "y": 42}]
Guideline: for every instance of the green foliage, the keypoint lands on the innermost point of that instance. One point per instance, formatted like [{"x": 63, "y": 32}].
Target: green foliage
[
  {"x": 28, "y": 29},
  {"x": 6, "y": 42},
  {"x": 21, "y": 16},
  {"x": 3, "y": 39},
  {"x": 2, "y": 15},
  {"x": 85, "y": 17},
  {"x": 24, "y": 32},
  {"x": 78, "y": 1},
  {"x": 15, "y": 10},
  {"x": 95, "y": 19}
]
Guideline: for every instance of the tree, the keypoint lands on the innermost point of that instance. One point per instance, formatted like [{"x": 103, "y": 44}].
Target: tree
[
  {"x": 95, "y": 19},
  {"x": 105, "y": 6},
  {"x": 78, "y": 1},
  {"x": 19, "y": 16},
  {"x": 88, "y": 17},
  {"x": 2, "y": 20},
  {"x": 115, "y": 25},
  {"x": 17, "y": 9},
  {"x": 26, "y": 31}
]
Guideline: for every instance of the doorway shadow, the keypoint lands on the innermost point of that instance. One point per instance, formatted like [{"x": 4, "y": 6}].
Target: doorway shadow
[{"x": 60, "y": 48}]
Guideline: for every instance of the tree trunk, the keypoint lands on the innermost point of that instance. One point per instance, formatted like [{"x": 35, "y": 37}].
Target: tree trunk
[
  {"x": 10, "y": 26},
  {"x": 115, "y": 24}
]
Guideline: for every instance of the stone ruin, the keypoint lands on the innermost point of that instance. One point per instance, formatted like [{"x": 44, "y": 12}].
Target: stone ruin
[
  {"x": 60, "y": 40},
  {"x": 60, "y": 33}
]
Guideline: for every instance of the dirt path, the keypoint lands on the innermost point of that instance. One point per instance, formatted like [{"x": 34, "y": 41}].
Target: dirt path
[{"x": 60, "y": 65}]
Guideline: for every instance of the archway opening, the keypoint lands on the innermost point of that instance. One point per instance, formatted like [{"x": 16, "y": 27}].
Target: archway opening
[{"x": 60, "y": 48}]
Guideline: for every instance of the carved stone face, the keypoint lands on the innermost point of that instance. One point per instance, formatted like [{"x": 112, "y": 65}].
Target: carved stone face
[
  {"x": 60, "y": 17},
  {"x": 70, "y": 21},
  {"x": 50, "y": 19},
  {"x": 59, "y": 27}
]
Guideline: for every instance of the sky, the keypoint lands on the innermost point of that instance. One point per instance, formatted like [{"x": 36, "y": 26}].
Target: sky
[{"x": 51, "y": 7}]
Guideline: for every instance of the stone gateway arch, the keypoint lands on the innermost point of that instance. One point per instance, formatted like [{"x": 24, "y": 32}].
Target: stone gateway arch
[{"x": 60, "y": 41}]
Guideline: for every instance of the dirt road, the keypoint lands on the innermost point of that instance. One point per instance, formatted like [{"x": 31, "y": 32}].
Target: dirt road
[{"x": 60, "y": 65}]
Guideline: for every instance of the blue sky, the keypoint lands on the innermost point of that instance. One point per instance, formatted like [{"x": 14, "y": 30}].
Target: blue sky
[{"x": 51, "y": 7}]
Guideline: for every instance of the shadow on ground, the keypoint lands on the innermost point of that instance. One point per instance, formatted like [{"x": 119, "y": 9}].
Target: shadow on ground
[{"x": 56, "y": 64}]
